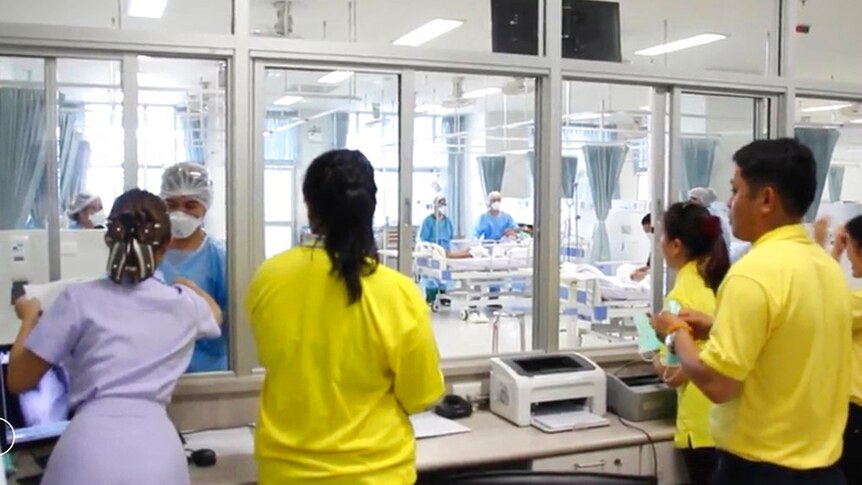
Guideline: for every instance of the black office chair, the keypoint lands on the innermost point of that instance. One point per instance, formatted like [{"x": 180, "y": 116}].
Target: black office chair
[{"x": 515, "y": 477}]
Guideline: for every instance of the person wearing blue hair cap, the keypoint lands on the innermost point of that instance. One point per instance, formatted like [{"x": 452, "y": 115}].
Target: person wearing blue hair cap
[{"x": 188, "y": 192}]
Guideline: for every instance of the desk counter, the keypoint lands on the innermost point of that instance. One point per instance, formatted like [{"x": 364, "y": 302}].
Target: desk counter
[{"x": 492, "y": 440}]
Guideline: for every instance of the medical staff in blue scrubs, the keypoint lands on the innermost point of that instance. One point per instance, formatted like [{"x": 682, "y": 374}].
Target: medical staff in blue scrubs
[
  {"x": 86, "y": 212},
  {"x": 437, "y": 228},
  {"x": 495, "y": 224},
  {"x": 188, "y": 191}
]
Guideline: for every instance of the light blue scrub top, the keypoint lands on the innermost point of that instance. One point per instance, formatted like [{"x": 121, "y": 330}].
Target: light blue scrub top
[
  {"x": 493, "y": 228},
  {"x": 437, "y": 231},
  {"x": 207, "y": 267}
]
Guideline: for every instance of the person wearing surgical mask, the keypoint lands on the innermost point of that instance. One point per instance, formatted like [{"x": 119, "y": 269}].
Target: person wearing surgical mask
[
  {"x": 86, "y": 212},
  {"x": 188, "y": 192},
  {"x": 437, "y": 228},
  {"x": 495, "y": 224}
]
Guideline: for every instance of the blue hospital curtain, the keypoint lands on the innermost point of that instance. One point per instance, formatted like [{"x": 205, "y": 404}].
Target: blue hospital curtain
[
  {"x": 604, "y": 166},
  {"x": 836, "y": 183},
  {"x": 570, "y": 177},
  {"x": 822, "y": 143},
  {"x": 569, "y": 172},
  {"x": 282, "y": 144},
  {"x": 491, "y": 171},
  {"x": 74, "y": 160},
  {"x": 341, "y": 126},
  {"x": 698, "y": 156},
  {"x": 22, "y": 146}
]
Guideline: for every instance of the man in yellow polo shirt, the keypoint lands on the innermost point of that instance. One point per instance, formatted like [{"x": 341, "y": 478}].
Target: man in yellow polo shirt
[{"x": 777, "y": 362}]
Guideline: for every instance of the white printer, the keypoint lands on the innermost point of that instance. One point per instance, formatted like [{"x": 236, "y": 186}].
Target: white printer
[{"x": 522, "y": 386}]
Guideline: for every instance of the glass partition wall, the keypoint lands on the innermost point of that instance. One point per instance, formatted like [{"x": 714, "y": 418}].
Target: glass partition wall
[{"x": 450, "y": 101}]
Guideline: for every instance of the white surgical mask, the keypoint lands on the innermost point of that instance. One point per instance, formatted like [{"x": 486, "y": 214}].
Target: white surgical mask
[
  {"x": 495, "y": 206},
  {"x": 183, "y": 225},
  {"x": 98, "y": 219},
  {"x": 442, "y": 210}
]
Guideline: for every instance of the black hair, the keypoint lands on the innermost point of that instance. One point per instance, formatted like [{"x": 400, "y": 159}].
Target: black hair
[
  {"x": 138, "y": 227},
  {"x": 647, "y": 220},
  {"x": 341, "y": 195},
  {"x": 784, "y": 164},
  {"x": 700, "y": 233},
  {"x": 854, "y": 230}
]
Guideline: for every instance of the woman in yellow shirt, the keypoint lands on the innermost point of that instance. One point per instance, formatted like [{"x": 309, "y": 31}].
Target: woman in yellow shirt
[
  {"x": 692, "y": 244},
  {"x": 347, "y": 344},
  {"x": 849, "y": 239}
]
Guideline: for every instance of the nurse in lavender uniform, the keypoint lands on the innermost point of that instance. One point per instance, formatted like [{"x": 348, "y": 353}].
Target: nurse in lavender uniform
[{"x": 125, "y": 340}]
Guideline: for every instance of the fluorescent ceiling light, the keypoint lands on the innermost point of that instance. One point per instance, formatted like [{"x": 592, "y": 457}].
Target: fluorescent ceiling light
[
  {"x": 828, "y": 107},
  {"x": 481, "y": 93},
  {"x": 681, "y": 44},
  {"x": 857, "y": 121},
  {"x": 427, "y": 32},
  {"x": 644, "y": 108},
  {"x": 287, "y": 100},
  {"x": 148, "y": 9},
  {"x": 336, "y": 77}
]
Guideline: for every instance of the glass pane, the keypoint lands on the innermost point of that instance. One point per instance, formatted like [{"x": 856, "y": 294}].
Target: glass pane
[
  {"x": 603, "y": 125},
  {"x": 510, "y": 26},
  {"x": 708, "y": 35},
  {"x": 182, "y": 118},
  {"x": 206, "y": 16},
  {"x": 832, "y": 129},
  {"x": 22, "y": 221},
  {"x": 89, "y": 159},
  {"x": 306, "y": 117},
  {"x": 830, "y": 28},
  {"x": 474, "y": 135},
  {"x": 277, "y": 239}
]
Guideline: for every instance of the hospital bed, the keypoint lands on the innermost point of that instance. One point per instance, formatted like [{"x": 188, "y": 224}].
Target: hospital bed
[
  {"x": 603, "y": 297},
  {"x": 497, "y": 274}
]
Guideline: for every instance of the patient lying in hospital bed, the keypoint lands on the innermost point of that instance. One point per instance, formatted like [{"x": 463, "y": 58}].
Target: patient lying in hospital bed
[{"x": 617, "y": 287}]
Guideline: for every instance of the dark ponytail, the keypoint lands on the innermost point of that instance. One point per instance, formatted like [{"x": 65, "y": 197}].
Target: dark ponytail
[
  {"x": 137, "y": 229},
  {"x": 700, "y": 233},
  {"x": 854, "y": 230},
  {"x": 341, "y": 196}
]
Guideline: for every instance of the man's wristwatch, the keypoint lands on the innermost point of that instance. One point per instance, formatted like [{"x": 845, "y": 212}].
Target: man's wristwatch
[{"x": 669, "y": 341}]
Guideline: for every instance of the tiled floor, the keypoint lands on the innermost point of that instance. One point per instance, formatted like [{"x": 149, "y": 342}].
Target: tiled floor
[{"x": 459, "y": 339}]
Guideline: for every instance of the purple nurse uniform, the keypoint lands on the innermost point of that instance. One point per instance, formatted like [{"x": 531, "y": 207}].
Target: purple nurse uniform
[{"x": 124, "y": 348}]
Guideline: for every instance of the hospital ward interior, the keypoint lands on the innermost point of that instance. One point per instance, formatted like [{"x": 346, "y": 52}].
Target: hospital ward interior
[{"x": 527, "y": 156}]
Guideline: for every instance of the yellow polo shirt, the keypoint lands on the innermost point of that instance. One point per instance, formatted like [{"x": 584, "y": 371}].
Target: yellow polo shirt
[
  {"x": 783, "y": 329},
  {"x": 340, "y": 379},
  {"x": 856, "y": 374},
  {"x": 693, "y": 407}
]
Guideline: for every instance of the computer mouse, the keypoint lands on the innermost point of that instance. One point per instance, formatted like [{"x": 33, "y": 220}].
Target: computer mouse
[
  {"x": 454, "y": 407},
  {"x": 203, "y": 457}
]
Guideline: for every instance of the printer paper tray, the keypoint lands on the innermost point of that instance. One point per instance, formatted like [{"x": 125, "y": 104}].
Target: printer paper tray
[{"x": 568, "y": 421}]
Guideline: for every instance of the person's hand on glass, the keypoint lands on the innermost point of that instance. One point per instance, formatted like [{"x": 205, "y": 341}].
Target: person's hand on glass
[
  {"x": 840, "y": 243},
  {"x": 821, "y": 231},
  {"x": 28, "y": 309}
]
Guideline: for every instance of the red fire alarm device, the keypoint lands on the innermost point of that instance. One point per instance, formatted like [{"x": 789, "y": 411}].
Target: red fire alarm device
[{"x": 803, "y": 29}]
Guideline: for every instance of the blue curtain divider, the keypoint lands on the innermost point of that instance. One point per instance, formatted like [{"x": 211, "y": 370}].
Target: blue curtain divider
[
  {"x": 822, "y": 143},
  {"x": 604, "y": 165}
]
